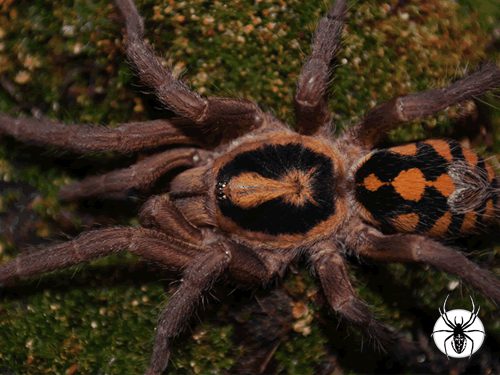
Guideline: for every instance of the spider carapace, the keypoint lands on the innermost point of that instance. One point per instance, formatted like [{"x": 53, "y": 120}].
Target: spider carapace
[
  {"x": 284, "y": 189},
  {"x": 255, "y": 193}
]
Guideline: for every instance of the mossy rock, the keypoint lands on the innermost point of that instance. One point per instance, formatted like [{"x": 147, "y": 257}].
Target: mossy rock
[{"x": 64, "y": 59}]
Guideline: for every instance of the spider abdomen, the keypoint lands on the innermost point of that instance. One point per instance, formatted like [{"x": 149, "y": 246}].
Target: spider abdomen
[
  {"x": 282, "y": 189},
  {"x": 436, "y": 187}
]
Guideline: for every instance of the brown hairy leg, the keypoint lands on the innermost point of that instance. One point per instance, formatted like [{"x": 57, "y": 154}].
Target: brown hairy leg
[
  {"x": 414, "y": 248},
  {"x": 159, "y": 212},
  {"x": 333, "y": 274},
  {"x": 311, "y": 99},
  {"x": 125, "y": 138},
  {"x": 173, "y": 93},
  {"x": 146, "y": 243},
  {"x": 387, "y": 116},
  {"x": 140, "y": 175},
  {"x": 199, "y": 276}
]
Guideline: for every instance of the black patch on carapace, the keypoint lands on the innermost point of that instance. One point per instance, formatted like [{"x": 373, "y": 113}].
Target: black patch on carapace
[
  {"x": 494, "y": 190},
  {"x": 456, "y": 150},
  {"x": 481, "y": 164},
  {"x": 456, "y": 223},
  {"x": 276, "y": 216},
  {"x": 385, "y": 204}
]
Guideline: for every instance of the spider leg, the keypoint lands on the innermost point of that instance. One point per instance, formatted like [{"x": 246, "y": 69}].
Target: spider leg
[
  {"x": 173, "y": 93},
  {"x": 447, "y": 320},
  {"x": 472, "y": 343},
  {"x": 311, "y": 105},
  {"x": 197, "y": 277},
  {"x": 444, "y": 314},
  {"x": 473, "y": 315},
  {"x": 387, "y": 116},
  {"x": 160, "y": 212},
  {"x": 474, "y": 330},
  {"x": 446, "y": 350},
  {"x": 125, "y": 138},
  {"x": 146, "y": 243},
  {"x": 140, "y": 175},
  {"x": 414, "y": 248},
  {"x": 332, "y": 271},
  {"x": 248, "y": 268},
  {"x": 441, "y": 330}
]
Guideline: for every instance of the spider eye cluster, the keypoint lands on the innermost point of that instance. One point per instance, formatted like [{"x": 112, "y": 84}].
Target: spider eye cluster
[
  {"x": 219, "y": 192},
  {"x": 436, "y": 187}
]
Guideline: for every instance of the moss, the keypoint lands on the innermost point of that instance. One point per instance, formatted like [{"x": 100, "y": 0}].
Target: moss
[
  {"x": 65, "y": 60},
  {"x": 311, "y": 349},
  {"x": 209, "y": 353}
]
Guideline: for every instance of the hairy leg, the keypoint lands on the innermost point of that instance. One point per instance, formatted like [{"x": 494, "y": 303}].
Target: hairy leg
[
  {"x": 388, "y": 115},
  {"x": 146, "y": 243},
  {"x": 311, "y": 99},
  {"x": 198, "y": 277},
  {"x": 332, "y": 271},
  {"x": 420, "y": 249},
  {"x": 174, "y": 94},
  {"x": 160, "y": 212},
  {"x": 125, "y": 138},
  {"x": 140, "y": 175}
]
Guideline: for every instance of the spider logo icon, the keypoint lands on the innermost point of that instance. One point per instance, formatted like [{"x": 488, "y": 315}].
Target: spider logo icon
[{"x": 458, "y": 333}]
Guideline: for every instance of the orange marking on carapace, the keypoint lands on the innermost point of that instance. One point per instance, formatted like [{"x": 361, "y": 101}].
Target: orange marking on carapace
[
  {"x": 406, "y": 222},
  {"x": 302, "y": 183},
  {"x": 470, "y": 156},
  {"x": 372, "y": 182},
  {"x": 489, "y": 211},
  {"x": 444, "y": 184},
  {"x": 469, "y": 223},
  {"x": 490, "y": 171},
  {"x": 251, "y": 189},
  {"x": 407, "y": 150},
  {"x": 441, "y": 225},
  {"x": 410, "y": 184},
  {"x": 441, "y": 147}
]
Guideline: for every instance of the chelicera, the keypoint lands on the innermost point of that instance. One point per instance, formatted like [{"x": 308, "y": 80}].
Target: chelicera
[
  {"x": 255, "y": 194},
  {"x": 459, "y": 330}
]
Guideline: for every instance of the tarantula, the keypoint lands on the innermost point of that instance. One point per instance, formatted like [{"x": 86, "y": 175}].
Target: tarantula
[{"x": 264, "y": 193}]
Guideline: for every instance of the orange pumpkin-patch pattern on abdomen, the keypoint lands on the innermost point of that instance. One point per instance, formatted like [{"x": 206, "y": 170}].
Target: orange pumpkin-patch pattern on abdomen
[{"x": 436, "y": 187}]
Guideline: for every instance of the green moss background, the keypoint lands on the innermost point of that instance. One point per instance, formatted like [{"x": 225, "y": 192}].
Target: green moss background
[{"x": 64, "y": 59}]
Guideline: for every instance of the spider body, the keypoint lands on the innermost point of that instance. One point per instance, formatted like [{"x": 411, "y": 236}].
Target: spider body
[
  {"x": 459, "y": 342},
  {"x": 436, "y": 187},
  {"x": 265, "y": 193}
]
